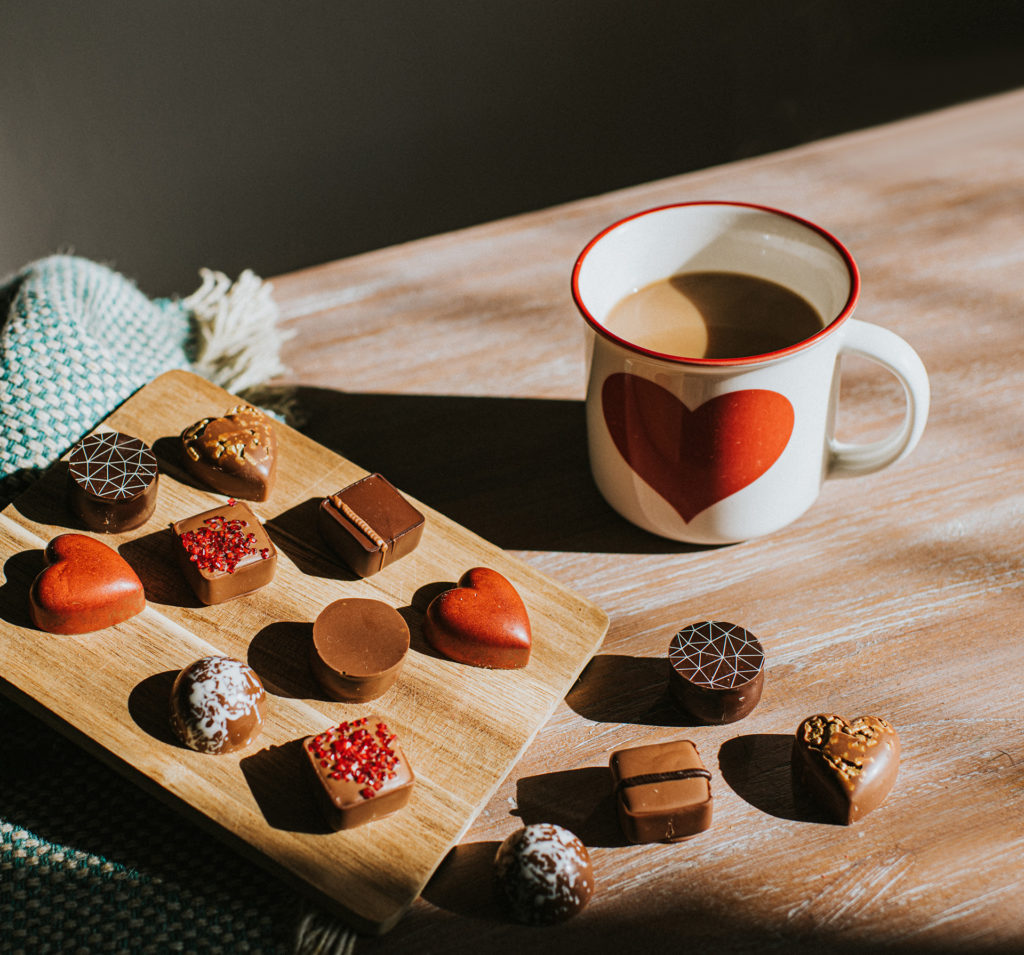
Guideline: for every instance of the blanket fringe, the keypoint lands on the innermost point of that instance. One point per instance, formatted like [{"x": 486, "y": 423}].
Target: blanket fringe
[
  {"x": 238, "y": 343},
  {"x": 318, "y": 934}
]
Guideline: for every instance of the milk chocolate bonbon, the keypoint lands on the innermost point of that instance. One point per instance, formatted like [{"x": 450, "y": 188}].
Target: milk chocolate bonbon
[
  {"x": 369, "y": 525},
  {"x": 360, "y": 772},
  {"x": 482, "y": 622},
  {"x": 218, "y": 705},
  {"x": 543, "y": 874},
  {"x": 662, "y": 791},
  {"x": 85, "y": 586},
  {"x": 112, "y": 481},
  {"x": 358, "y": 648},
  {"x": 847, "y": 767},
  {"x": 224, "y": 552},
  {"x": 717, "y": 671},
  {"x": 234, "y": 454}
]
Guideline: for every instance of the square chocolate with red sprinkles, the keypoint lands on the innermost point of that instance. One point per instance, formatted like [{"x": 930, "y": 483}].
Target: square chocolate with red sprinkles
[
  {"x": 360, "y": 771},
  {"x": 224, "y": 552}
]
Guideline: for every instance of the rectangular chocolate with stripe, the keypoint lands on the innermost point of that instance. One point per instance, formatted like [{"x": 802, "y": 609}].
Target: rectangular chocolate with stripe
[
  {"x": 369, "y": 525},
  {"x": 662, "y": 791}
]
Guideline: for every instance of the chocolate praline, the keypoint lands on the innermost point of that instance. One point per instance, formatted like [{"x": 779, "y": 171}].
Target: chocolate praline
[
  {"x": 847, "y": 766},
  {"x": 543, "y": 874},
  {"x": 662, "y": 791},
  {"x": 358, "y": 648},
  {"x": 369, "y": 525},
  {"x": 234, "y": 454},
  {"x": 360, "y": 772},
  {"x": 85, "y": 586},
  {"x": 112, "y": 482},
  {"x": 224, "y": 552},
  {"x": 717, "y": 671},
  {"x": 218, "y": 705}
]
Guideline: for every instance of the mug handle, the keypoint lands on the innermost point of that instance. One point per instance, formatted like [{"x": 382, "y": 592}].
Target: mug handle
[{"x": 879, "y": 345}]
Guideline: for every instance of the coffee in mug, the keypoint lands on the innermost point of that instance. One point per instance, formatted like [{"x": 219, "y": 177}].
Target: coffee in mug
[
  {"x": 711, "y": 404},
  {"x": 714, "y": 315}
]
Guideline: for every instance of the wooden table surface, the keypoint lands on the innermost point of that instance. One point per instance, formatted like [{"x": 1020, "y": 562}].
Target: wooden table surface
[{"x": 455, "y": 366}]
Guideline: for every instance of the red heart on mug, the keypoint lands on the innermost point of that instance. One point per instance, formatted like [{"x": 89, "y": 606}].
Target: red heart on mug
[
  {"x": 482, "y": 622},
  {"x": 696, "y": 458},
  {"x": 86, "y": 586}
]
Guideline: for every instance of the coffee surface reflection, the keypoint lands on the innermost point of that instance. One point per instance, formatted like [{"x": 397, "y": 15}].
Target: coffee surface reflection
[{"x": 714, "y": 315}]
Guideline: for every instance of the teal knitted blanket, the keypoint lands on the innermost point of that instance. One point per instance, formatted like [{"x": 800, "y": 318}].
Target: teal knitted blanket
[
  {"x": 78, "y": 339},
  {"x": 88, "y": 863}
]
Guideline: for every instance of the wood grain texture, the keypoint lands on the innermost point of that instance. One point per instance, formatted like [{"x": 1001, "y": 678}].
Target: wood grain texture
[
  {"x": 456, "y": 366},
  {"x": 462, "y": 728}
]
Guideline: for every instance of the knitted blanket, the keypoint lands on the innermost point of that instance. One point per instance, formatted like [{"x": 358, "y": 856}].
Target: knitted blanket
[
  {"x": 89, "y": 863},
  {"x": 79, "y": 339}
]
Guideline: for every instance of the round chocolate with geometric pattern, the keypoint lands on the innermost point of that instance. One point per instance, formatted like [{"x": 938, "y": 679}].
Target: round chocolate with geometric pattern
[
  {"x": 717, "y": 671},
  {"x": 112, "y": 481},
  {"x": 542, "y": 874}
]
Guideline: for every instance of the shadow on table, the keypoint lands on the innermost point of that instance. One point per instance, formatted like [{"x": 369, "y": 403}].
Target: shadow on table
[
  {"x": 279, "y": 654},
  {"x": 514, "y": 470},
  {"x": 580, "y": 800},
  {"x": 20, "y": 570},
  {"x": 149, "y": 706},
  {"x": 152, "y": 557},
  {"x": 615, "y": 688},
  {"x": 294, "y": 532},
  {"x": 290, "y": 808},
  {"x": 464, "y": 883},
  {"x": 757, "y": 768}
]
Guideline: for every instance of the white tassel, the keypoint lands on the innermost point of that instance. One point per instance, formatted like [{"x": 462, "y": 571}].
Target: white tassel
[
  {"x": 238, "y": 343},
  {"x": 319, "y": 934}
]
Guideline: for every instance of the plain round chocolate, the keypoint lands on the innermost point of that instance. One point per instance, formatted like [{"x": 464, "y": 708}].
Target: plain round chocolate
[
  {"x": 358, "y": 648},
  {"x": 218, "y": 705},
  {"x": 112, "y": 482},
  {"x": 543, "y": 874},
  {"x": 717, "y": 671}
]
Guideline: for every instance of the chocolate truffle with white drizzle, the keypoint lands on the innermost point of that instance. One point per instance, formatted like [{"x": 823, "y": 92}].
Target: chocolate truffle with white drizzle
[{"x": 218, "y": 705}]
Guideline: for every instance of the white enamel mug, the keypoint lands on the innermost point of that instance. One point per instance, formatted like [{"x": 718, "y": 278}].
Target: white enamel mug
[{"x": 719, "y": 450}]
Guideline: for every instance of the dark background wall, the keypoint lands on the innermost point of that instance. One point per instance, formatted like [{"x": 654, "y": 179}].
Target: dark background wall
[{"x": 161, "y": 137}]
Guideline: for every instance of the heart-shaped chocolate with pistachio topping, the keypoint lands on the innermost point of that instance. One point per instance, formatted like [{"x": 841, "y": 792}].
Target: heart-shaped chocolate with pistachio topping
[
  {"x": 847, "y": 767},
  {"x": 235, "y": 454}
]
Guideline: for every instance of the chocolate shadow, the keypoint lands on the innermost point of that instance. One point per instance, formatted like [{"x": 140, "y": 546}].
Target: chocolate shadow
[
  {"x": 464, "y": 883},
  {"x": 757, "y": 768},
  {"x": 523, "y": 474},
  {"x": 149, "y": 705},
  {"x": 20, "y": 570},
  {"x": 416, "y": 612},
  {"x": 171, "y": 461},
  {"x": 615, "y": 688},
  {"x": 580, "y": 800},
  {"x": 152, "y": 557},
  {"x": 279, "y": 654},
  {"x": 46, "y": 502},
  {"x": 273, "y": 775},
  {"x": 294, "y": 531}
]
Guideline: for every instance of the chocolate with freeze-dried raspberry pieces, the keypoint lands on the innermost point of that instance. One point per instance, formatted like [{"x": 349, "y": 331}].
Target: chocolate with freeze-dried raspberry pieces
[
  {"x": 360, "y": 770},
  {"x": 224, "y": 552}
]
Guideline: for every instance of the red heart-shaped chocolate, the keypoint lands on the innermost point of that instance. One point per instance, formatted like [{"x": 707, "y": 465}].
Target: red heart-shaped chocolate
[
  {"x": 696, "y": 458},
  {"x": 848, "y": 767},
  {"x": 482, "y": 622},
  {"x": 86, "y": 586}
]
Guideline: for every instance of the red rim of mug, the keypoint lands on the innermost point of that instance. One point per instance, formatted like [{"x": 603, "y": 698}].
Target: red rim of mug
[{"x": 844, "y": 313}]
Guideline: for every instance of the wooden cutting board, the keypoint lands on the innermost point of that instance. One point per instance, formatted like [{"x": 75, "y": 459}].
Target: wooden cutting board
[{"x": 462, "y": 728}]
